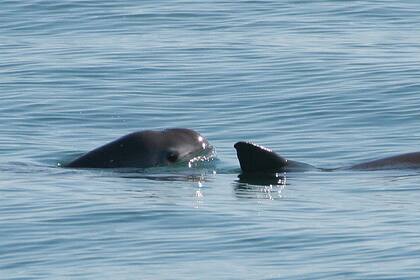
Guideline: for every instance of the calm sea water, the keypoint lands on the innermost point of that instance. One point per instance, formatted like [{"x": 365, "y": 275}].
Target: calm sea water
[{"x": 330, "y": 83}]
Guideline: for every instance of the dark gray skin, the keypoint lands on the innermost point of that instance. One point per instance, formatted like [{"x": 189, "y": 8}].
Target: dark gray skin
[
  {"x": 257, "y": 159},
  {"x": 147, "y": 149}
]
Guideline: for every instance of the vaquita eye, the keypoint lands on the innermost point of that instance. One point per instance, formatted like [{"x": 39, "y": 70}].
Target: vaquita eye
[{"x": 172, "y": 156}]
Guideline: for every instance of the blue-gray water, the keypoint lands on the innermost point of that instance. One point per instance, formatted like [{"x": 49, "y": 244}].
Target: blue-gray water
[{"x": 325, "y": 82}]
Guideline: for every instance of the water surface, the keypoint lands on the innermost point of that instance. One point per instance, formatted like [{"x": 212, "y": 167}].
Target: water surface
[{"x": 330, "y": 83}]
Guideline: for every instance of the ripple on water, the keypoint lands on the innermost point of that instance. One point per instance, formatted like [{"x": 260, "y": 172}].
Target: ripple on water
[{"x": 328, "y": 83}]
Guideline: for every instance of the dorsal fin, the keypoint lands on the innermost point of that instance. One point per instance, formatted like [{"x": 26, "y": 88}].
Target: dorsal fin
[{"x": 254, "y": 158}]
